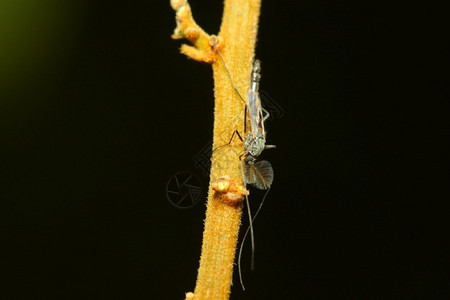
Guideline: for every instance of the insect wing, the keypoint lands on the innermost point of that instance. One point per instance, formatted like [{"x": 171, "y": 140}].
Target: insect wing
[
  {"x": 249, "y": 173},
  {"x": 259, "y": 174}
]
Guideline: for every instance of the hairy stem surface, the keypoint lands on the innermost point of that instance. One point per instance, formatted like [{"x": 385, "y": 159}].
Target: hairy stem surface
[{"x": 236, "y": 42}]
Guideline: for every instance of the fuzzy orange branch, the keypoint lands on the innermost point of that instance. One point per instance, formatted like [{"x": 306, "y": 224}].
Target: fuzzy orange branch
[{"x": 236, "y": 42}]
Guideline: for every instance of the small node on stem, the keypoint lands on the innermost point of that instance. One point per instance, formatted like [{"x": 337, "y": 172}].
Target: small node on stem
[
  {"x": 215, "y": 42},
  {"x": 189, "y": 296},
  {"x": 231, "y": 192}
]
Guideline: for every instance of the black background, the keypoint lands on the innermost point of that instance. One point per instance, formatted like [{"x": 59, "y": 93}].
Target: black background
[{"x": 94, "y": 126}]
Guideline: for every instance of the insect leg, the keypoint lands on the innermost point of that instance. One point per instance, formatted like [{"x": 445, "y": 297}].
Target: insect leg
[
  {"x": 235, "y": 132},
  {"x": 249, "y": 218},
  {"x": 245, "y": 236},
  {"x": 266, "y": 112}
]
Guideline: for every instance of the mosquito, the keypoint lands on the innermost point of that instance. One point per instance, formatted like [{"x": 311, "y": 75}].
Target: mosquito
[{"x": 257, "y": 173}]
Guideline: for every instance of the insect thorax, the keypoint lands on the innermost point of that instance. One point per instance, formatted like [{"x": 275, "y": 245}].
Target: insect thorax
[{"x": 254, "y": 145}]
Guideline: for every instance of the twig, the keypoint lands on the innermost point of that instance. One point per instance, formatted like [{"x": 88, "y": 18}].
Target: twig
[{"x": 236, "y": 41}]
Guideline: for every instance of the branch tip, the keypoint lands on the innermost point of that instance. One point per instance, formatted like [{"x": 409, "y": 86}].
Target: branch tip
[
  {"x": 176, "y": 4},
  {"x": 196, "y": 54},
  {"x": 189, "y": 30}
]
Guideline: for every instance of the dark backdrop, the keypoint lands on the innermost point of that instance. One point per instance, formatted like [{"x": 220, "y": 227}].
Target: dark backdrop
[{"x": 98, "y": 111}]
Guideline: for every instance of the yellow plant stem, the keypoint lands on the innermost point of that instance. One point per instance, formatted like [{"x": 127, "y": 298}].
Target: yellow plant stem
[{"x": 236, "y": 42}]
